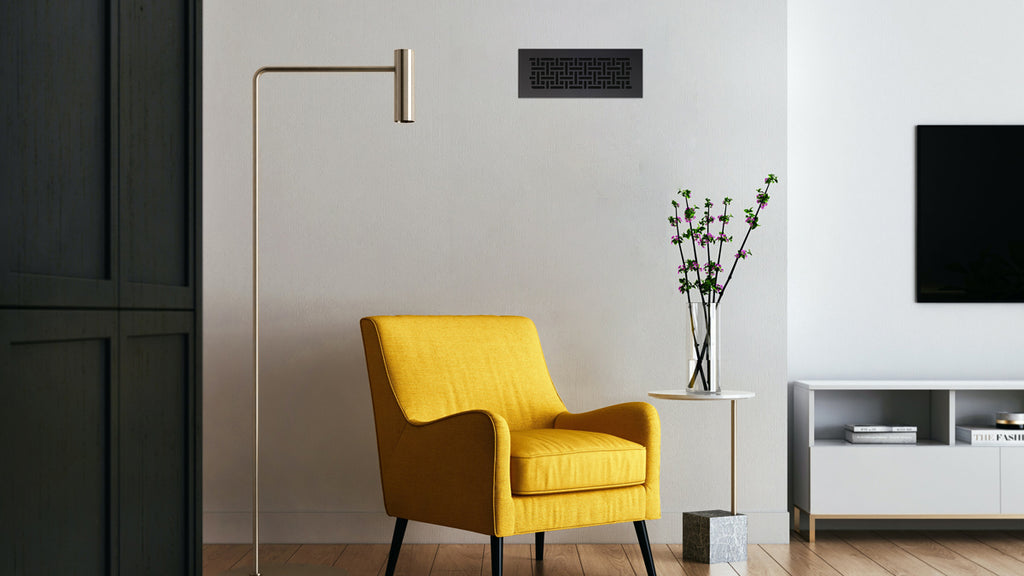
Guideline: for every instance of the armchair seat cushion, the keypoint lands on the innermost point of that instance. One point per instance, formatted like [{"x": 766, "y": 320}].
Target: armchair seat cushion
[{"x": 551, "y": 461}]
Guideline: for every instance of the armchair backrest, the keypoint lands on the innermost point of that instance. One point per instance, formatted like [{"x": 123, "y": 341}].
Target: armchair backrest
[{"x": 422, "y": 368}]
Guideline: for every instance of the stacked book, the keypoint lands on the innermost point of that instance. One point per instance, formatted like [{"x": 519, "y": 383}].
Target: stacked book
[
  {"x": 879, "y": 434},
  {"x": 979, "y": 436}
]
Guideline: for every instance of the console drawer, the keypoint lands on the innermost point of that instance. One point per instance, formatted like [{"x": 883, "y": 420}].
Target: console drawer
[{"x": 905, "y": 480}]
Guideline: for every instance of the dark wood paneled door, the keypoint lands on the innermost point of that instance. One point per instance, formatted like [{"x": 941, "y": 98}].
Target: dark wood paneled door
[
  {"x": 58, "y": 121},
  {"x": 157, "y": 213},
  {"x": 99, "y": 288},
  {"x": 57, "y": 398},
  {"x": 158, "y": 449}
]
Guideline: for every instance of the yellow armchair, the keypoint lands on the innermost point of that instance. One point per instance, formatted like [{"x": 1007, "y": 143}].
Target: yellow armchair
[{"x": 471, "y": 434}]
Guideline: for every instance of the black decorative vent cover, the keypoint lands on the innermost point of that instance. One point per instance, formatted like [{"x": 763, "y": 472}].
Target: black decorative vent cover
[{"x": 584, "y": 73}]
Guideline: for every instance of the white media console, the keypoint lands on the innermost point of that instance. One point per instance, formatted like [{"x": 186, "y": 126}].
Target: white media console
[{"x": 936, "y": 478}]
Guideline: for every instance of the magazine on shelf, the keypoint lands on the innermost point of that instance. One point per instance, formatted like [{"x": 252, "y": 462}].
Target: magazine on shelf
[
  {"x": 881, "y": 437},
  {"x": 985, "y": 436},
  {"x": 879, "y": 428}
]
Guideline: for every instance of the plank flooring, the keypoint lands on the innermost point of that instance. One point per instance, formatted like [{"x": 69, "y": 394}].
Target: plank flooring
[{"x": 836, "y": 553}]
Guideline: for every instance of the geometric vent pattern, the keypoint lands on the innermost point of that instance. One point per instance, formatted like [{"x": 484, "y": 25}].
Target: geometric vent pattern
[{"x": 580, "y": 73}]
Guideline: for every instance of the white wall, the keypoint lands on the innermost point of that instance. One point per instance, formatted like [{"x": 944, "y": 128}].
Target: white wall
[
  {"x": 553, "y": 209},
  {"x": 862, "y": 74}
]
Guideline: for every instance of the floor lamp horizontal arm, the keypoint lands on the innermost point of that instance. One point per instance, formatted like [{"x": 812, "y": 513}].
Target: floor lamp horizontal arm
[{"x": 403, "y": 70}]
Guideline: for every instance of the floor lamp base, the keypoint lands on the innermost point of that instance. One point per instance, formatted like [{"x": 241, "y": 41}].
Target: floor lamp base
[{"x": 290, "y": 570}]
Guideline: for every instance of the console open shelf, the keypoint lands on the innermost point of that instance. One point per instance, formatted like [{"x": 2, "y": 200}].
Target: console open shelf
[{"x": 935, "y": 478}]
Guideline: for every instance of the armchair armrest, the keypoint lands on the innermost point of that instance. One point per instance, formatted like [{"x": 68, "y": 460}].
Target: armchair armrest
[
  {"x": 634, "y": 421},
  {"x": 454, "y": 472}
]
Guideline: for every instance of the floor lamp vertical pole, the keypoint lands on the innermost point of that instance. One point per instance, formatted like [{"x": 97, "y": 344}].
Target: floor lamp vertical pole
[
  {"x": 255, "y": 325},
  {"x": 404, "y": 113}
]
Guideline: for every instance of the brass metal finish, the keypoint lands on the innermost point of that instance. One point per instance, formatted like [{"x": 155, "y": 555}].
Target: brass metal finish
[
  {"x": 1010, "y": 420},
  {"x": 404, "y": 112},
  {"x": 812, "y": 517},
  {"x": 733, "y": 448},
  {"x": 405, "y": 101},
  {"x": 733, "y": 396}
]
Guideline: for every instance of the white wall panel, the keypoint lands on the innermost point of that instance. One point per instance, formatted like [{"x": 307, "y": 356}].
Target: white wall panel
[{"x": 553, "y": 209}]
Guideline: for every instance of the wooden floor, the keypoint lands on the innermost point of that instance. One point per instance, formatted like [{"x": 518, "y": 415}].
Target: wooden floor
[{"x": 834, "y": 554}]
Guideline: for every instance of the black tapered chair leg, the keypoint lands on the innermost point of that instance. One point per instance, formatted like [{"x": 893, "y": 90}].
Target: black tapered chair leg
[
  {"x": 396, "y": 545},
  {"x": 645, "y": 546},
  {"x": 538, "y": 539},
  {"x": 496, "y": 546}
]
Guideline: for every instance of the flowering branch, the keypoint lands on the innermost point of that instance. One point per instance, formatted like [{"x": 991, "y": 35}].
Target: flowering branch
[
  {"x": 693, "y": 235},
  {"x": 752, "y": 220},
  {"x": 709, "y": 290},
  {"x": 722, "y": 239},
  {"x": 684, "y": 269}
]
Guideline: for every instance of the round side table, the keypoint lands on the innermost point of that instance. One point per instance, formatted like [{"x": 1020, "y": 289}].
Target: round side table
[{"x": 732, "y": 395}]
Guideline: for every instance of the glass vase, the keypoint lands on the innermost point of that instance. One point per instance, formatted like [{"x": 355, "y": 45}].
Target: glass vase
[{"x": 702, "y": 341}]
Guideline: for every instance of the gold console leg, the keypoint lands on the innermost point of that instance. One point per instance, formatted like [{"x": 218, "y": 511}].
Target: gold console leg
[{"x": 810, "y": 523}]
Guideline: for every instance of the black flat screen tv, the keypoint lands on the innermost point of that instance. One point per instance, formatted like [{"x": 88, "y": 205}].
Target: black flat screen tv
[{"x": 970, "y": 222}]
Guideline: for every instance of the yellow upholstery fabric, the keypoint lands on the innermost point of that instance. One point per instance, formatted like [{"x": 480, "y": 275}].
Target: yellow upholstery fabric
[
  {"x": 450, "y": 392},
  {"x": 579, "y": 509},
  {"x": 548, "y": 461},
  {"x": 441, "y": 367},
  {"x": 634, "y": 421}
]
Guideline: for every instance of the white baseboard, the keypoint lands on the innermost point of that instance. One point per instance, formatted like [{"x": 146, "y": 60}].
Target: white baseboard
[{"x": 376, "y": 528}]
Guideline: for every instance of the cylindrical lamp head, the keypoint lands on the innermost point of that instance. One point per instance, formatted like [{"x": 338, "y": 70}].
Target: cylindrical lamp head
[{"x": 405, "y": 105}]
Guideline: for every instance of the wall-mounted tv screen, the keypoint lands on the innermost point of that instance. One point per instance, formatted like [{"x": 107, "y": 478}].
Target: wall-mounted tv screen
[{"x": 970, "y": 221}]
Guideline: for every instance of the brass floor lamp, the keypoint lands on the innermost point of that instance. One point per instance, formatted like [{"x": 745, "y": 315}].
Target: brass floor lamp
[{"x": 405, "y": 113}]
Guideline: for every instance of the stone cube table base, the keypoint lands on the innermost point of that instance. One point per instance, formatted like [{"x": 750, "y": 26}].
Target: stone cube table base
[{"x": 713, "y": 536}]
